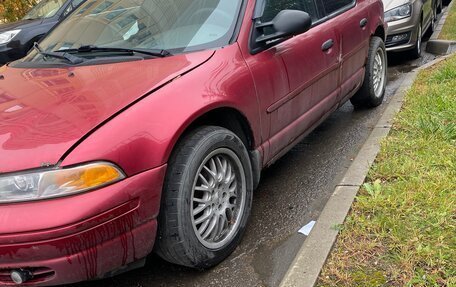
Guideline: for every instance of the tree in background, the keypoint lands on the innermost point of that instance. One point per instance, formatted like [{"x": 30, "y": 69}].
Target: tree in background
[{"x": 13, "y": 10}]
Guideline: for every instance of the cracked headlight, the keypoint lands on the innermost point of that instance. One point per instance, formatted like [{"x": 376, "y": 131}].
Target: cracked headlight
[
  {"x": 53, "y": 183},
  {"x": 398, "y": 13},
  {"x": 6, "y": 37}
]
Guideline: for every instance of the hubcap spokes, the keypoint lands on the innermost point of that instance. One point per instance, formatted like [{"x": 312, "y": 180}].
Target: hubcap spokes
[
  {"x": 420, "y": 31},
  {"x": 379, "y": 72},
  {"x": 218, "y": 198}
]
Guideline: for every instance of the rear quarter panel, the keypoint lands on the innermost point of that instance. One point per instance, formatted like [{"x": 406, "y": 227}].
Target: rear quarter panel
[{"x": 376, "y": 16}]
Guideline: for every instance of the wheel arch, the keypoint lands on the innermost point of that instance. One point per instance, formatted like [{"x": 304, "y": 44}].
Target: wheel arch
[
  {"x": 226, "y": 117},
  {"x": 229, "y": 118},
  {"x": 223, "y": 116},
  {"x": 380, "y": 32}
]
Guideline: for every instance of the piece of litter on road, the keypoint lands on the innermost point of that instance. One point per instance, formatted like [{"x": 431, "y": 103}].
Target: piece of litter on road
[{"x": 307, "y": 229}]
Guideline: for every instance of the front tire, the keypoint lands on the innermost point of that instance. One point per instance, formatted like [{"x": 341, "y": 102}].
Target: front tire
[
  {"x": 416, "y": 52},
  {"x": 372, "y": 91},
  {"x": 439, "y": 7},
  {"x": 206, "y": 200},
  {"x": 433, "y": 24}
]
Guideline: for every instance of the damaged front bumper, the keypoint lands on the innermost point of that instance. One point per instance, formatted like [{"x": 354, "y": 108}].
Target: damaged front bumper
[{"x": 81, "y": 237}]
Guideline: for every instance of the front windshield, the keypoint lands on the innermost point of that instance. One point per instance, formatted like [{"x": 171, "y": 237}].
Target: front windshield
[
  {"x": 45, "y": 9},
  {"x": 172, "y": 25}
]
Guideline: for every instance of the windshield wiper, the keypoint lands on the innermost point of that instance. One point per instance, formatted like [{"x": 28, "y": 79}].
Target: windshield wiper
[
  {"x": 64, "y": 56},
  {"x": 91, "y": 48}
]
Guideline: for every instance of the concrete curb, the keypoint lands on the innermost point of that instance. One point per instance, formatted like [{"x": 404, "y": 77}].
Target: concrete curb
[
  {"x": 309, "y": 261},
  {"x": 439, "y": 27},
  {"x": 307, "y": 265},
  {"x": 441, "y": 47}
]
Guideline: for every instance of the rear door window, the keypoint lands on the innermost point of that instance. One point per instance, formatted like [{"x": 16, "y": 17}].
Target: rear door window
[{"x": 333, "y": 6}]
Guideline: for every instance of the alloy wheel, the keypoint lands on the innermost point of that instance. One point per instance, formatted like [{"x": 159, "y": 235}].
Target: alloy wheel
[
  {"x": 218, "y": 198},
  {"x": 420, "y": 39},
  {"x": 379, "y": 72}
]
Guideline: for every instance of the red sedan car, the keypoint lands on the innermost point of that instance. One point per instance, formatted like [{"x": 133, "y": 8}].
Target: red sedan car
[{"x": 144, "y": 125}]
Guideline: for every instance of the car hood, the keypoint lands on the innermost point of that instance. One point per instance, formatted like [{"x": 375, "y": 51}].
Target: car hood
[
  {"x": 391, "y": 4},
  {"x": 44, "y": 112},
  {"x": 22, "y": 24}
]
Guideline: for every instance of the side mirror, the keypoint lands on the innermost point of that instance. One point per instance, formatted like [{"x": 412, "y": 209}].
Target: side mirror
[{"x": 286, "y": 24}]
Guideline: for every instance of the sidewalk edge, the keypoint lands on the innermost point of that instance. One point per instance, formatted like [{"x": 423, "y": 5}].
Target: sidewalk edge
[
  {"x": 435, "y": 45},
  {"x": 439, "y": 27}
]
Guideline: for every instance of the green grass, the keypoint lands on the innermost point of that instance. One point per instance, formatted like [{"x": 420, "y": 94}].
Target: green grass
[
  {"x": 402, "y": 227},
  {"x": 449, "y": 29}
]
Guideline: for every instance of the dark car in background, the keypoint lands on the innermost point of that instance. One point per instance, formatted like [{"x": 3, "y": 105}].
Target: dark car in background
[{"x": 17, "y": 38}]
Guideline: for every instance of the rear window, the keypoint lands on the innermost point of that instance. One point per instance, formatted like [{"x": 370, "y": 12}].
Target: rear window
[{"x": 332, "y": 6}]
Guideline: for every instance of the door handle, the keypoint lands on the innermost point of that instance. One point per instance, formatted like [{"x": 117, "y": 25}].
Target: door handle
[
  {"x": 363, "y": 23},
  {"x": 327, "y": 45}
]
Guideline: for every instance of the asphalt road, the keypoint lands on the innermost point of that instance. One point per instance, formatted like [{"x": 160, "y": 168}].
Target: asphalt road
[{"x": 292, "y": 193}]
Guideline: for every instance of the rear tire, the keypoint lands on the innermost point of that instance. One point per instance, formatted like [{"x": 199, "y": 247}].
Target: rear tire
[
  {"x": 372, "y": 91},
  {"x": 206, "y": 200}
]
